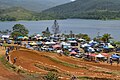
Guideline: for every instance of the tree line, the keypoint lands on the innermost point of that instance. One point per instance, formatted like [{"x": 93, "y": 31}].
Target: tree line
[{"x": 21, "y": 30}]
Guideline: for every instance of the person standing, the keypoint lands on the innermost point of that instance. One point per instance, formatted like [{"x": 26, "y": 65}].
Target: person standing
[
  {"x": 111, "y": 61},
  {"x": 6, "y": 53},
  {"x": 118, "y": 61},
  {"x": 14, "y": 60},
  {"x": 8, "y": 58},
  {"x": 73, "y": 78}
]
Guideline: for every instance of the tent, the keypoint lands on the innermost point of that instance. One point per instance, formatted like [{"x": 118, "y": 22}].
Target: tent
[
  {"x": 25, "y": 37},
  {"x": 20, "y": 37},
  {"x": 65, "y": 44},
  {"x": 92, "y": 55},
  {"x": 47, "y": 43},
  {"x": 86, "y": 45},
  {"x": 90, "y": 49},
  {"x": 99, "y": 56},
  {"x": 38, "y": 43},
  {"x": 71, "y": 39},
  {"x": 5, "y": 36},
  {"x": 59, "y": 51},
  {"x": 110, "y": 46},
  {"x": 105, "y": 47},
  {"x": 38, "y": 35},
  {"x": 73, "y": 53},
  {"x": 33, "y": 43},
  {"x": 53, "y": 42},
  {"x": 56, "y": 46},
  {"x": 81, "y": 39},
  {"x": 115, "y": 56},
  {"x": 92, "y": 42},
  {"x": 105, "y": 54},
  {"x": 40, "y": 38}
]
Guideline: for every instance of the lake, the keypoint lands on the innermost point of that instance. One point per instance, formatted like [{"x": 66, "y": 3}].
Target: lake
[{"x": 90, "y": 27}]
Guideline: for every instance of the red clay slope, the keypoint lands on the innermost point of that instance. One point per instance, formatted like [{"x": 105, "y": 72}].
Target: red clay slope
[{"x": 28, "y": 58}]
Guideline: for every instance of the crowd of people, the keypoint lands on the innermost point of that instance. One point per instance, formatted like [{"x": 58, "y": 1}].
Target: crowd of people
[
  {"x": 10, "y": 49},
  {"x": 78, "y": 48}
]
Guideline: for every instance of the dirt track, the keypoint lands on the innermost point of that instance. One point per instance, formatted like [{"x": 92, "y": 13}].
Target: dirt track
[
  {"x": 6, "y": 74},
  {"x": 28, "y": 58}
]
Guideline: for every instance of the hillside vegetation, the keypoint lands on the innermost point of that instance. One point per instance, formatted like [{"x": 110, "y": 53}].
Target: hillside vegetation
[
  {"x": 16, "y": 13},
  {"x": 84, "y": 9},
  {"x": 32, "y": 5},
  {"x": 90, "y": 9}
]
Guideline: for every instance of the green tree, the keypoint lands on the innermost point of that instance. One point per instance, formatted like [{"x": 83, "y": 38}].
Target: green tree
[
  {"x": 106, "y": 37},
  {"x": 71, "y": 34},
  {"x": 83, "y": 36},
  {"x": 19, "y": 30}
]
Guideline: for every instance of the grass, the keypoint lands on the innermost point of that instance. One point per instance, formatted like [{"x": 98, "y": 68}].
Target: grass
[
  {"x": 46, "y": 68},
  {"x": 7, "y": 64},
  {"x": 92, "y": 78},
  {"x": 27, "y": 75},
  {"x": 62, "y": 62}
]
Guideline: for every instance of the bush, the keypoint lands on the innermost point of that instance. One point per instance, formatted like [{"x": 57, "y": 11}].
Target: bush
[{"x": 51, "y": 76}]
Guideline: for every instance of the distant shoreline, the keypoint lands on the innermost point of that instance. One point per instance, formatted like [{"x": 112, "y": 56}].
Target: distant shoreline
[{"x": 61, "y": 19}]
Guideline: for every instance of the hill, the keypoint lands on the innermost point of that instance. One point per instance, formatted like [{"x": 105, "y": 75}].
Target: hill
[
  {"x": 16, "y": 13},
  {"x": 32, "y": 5},
  {"x": 93, "y": 9}
]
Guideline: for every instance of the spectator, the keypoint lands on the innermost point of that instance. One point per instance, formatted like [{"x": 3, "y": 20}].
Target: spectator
[
  {"x": 8, "y": 58},
  {"x": 14, "y": 60},
  {"x": 111, "y": 61}
]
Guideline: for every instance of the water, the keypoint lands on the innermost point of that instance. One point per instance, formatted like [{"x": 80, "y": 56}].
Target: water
[{"x": 90, "y": 27}]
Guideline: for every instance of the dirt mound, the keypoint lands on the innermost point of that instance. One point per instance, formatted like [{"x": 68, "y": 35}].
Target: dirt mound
[{"x": 43, "y": 62}]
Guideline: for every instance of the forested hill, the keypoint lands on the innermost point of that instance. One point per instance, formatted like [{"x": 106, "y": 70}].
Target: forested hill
[
  {"x": 93, "y": 9},
  {"x": 32, "y": 5},
  {"x": 16, "y": 13}
]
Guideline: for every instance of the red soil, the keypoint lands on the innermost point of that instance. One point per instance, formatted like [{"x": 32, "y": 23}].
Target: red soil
[
  {"x": 28, "y": 58},
  {"x": 6, "y": 74}
]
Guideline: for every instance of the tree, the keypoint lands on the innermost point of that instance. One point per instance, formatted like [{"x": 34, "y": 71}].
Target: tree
[
  {"x": 19, "y": 30},
  {"x": 46, "y": 33},
  {"x": 71, "y": 34},
  {"x": 106, "y": 37},
  {"x": 83, "y": 36},
  {"x": 55, "y": 28}
]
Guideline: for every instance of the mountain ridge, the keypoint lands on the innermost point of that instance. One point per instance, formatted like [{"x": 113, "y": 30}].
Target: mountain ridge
[
  {"x": 32, "y": 5},
  {"x": 96, "y": 9}
]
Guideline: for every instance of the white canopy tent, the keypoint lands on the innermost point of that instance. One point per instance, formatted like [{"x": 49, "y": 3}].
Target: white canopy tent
[
  {"x": 99, "y": 56},
  {"x": 5, "y": 36}
]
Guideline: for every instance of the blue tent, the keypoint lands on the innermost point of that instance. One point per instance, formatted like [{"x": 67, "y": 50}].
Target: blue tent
[
  {"x": 115, "y": 56},
  {"x": 71, "y": 39},
  {"x": 20, "y": 37},
  {"x": 105, "y": 47}
]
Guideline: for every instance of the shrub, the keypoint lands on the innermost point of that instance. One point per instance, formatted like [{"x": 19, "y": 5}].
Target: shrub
[{"x": 51, "y": 76}]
